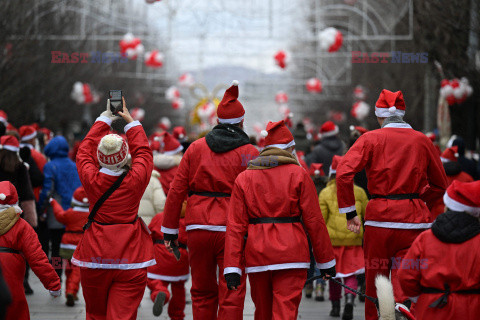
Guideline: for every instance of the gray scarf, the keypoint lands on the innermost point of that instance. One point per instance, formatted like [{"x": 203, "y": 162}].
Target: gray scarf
[{"x": 393, "y": 119}]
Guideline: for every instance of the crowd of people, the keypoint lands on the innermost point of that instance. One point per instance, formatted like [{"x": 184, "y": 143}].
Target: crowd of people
[{"x": 124, "y": 212}]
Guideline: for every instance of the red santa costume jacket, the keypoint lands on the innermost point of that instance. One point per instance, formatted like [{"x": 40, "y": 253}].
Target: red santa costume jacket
[
  {"x": 126, "y": 244},
  {"x": 22, "y": 237},
  {"x": 275, "y": 246},
  {"x": 74, "y": 219},
  {"x": 393, "y": 167},
  {"x": 166, "y": 177},
  {"x": 431, "y": 263},
  {"x": 198, "y": 172},
  {"x": 167, "y": 267}
]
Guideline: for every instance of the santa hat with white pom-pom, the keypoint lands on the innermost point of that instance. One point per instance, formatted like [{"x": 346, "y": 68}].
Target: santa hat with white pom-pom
[
  {"x": 390, "y": 104},
  {"x": 463, "y": 197},
  {"x": 112, "y": 152},
  {"x": 333, "y": 167},
  {"x": 450, "y": 155},
  {"x": 277, "y": 135},
  {"x": 8, "y": 197},
  {"x": 230, "y": 110},
  {"x": 80, "y": 198}
]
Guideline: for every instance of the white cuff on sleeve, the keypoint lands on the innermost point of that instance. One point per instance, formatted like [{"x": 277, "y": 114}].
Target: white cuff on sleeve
[
  {"x": 347, "y": 210},
  {"x": 56, "y": 293},
  {"x": 232, "y": 270},
  {"x": 104, "y": 119},
  {"x": 131, "y": 125},
  {"x": 326, "y": 265},
  {"x": 168, "y": 230}
]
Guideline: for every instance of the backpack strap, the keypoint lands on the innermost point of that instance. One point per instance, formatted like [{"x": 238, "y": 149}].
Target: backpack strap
[{"x": 103, "y": 198}]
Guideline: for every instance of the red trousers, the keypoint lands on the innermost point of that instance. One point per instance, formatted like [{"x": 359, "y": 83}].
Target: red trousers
[
  {"x": 383, "y": 247},
  {"x": 18, "y": 309},
  {"x": 177, "y": 298},
  {"x": 72, "y": 272},
  {"x": 277, "y": 294},
  {"x": 205, "y": 252},
  {"x": 112, "y": 294}
]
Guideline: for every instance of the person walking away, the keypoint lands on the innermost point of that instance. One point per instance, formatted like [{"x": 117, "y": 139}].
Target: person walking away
[
  {"x": 439, "y": 271},
  {"x": 168, "y": 271},
  {"x": 74, "y": 219},
  {"x": 116, "y": 247},
  {"x": 276, "y": 247},
  {"x": 28, "y": 139},
  {"x": 61, "y": 180},
  {"x": 347, "y": 246},
  {"x": 206, "y": 175},
  {"x": 153, "y": 200},
  {"x": 19, "y": 244},
  {"x": 329, "y": 145},
  {"x": 405, "y": 178},
  {"x": 168, "y": 160}
]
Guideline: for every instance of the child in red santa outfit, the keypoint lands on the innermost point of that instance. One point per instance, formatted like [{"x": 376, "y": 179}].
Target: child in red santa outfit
[
  {"x": 405, "y": 178},
  {"x": 168, "y": 271},
  {"x": 347, "y": 246},
  {"x": 116, "y": 248},
  {"x": 270, "y": 200},
  {"x": 19, "y": 244},
  {"x": 440, "y": 271},
  {"x": 74, "y": 219}
]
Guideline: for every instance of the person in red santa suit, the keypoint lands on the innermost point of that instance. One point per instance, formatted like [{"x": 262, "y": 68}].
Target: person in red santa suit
[
  {"x": 454, "y": 172},
  {"x": 168, "y": 271},
  {"x": 276, "y": 249},
  {"x": 206, "y": 174},
  {"x": 28, "y": 138},
  {"x": 74, "y": 219},
  {"x": 168, "y": 159},
  {"x": 405, "y": 178},
  {"x": 116, "y": 248},
  {"x": 439, "y": 271},
  {"x": 19, "y": 244}
]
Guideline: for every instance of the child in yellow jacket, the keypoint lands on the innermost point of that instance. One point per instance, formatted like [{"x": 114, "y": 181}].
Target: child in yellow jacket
[{"x": 347, "y": 246}]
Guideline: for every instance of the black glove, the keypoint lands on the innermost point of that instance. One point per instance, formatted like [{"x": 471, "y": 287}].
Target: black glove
[
  {"x": 351, "y": 214},
  {"x": 170, "y": 237},
  {"x": 330, "y": 272},
  {"x": 233, "y": 280}
]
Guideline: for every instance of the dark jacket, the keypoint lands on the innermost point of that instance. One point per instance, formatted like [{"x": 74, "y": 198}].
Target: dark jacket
[
  {"x": 61, "y": 177},
  {"x": 324, "y": 152},
  {"x": 301, "y": 141}
]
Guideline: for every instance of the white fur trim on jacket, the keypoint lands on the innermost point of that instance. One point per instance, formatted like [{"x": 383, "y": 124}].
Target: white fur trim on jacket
[
  {"x": 168, "y": 230},
  {"x": 131, "y": 125},
  {"x": 460, "y": 207},
  {"x": 81, "y": 209},
  {"x": 398, "y": 125},
  {"x": 232, "y": 270},
  {"x": 206, "y": 227},
  {"x": 231, "y": 121},
  {"x": 347, "y": 209},
  {"x": 281, "y": 266},
  {"x": 282, "y": 146},
  {"x": 120, "y": 266},
  {"x": 167, "y": 278},
  {"x": 326, "y": 265},
  {"x": 104, "y": 119},
  {"x": 398, "y": 225},
  {"x": 345, "y": 275},
  {"x": 385, "y": 113},
  {"x": 68, "y": 246},
  {"x": 111, "y": 172}
]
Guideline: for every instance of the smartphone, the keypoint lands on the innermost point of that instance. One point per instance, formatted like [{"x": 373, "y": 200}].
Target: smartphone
[{"x": 116, "y": 103}]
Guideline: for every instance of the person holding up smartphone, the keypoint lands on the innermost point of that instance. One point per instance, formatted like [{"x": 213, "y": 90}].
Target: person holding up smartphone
[{"x": 116, "y": 247}]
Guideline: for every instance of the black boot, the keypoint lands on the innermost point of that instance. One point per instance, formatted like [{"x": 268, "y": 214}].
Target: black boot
[
  {"x": 26, "y": 286},
  {"x": 348, "y": 309},
  {"x": 335, "y": 309}
]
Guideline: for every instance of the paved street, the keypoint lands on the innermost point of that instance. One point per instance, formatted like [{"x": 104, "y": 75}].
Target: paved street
[{"x": 44, "y": 307}]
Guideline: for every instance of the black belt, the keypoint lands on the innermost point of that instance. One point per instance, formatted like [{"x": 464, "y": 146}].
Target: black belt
[
  {"x": 443, "y": 300},
  {"x": 77, "y": 232},
  {"x": 274, "y": 220},
  {"x": 161, "y": 241},
  {"x": 404, "y": 196},
  {"x": 9, "y": 250},
  {"x": 110, "y": 224},
  {"x": 209, "y": 194}
]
